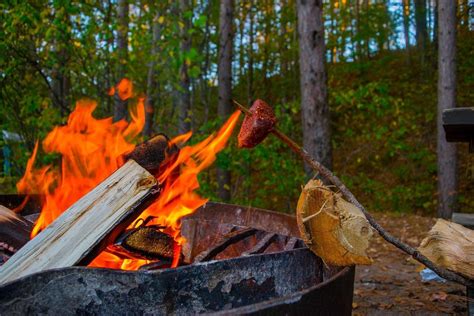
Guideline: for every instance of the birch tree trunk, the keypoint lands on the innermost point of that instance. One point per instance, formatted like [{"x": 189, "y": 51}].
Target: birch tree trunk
[
  {"x": 314, "y": 105},
  {"x": 226, "y": 37},
  {"x": 120, "y": 106},
  {"x": 447, "y": 158},
  {"x": 184, "y": 96}
]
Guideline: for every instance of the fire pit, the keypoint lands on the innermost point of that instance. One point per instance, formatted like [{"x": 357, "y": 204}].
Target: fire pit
[{"x": 239, "y": 261}]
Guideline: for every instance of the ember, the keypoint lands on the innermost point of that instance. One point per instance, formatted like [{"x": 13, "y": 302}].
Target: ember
[{"x": 92, "y": 149}]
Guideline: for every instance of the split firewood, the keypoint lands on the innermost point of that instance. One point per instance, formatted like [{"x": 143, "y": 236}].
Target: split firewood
[
  {"x": 92, "y": 222},
  {"x": 331, "y": 227},
  {"x": 347, "y": 194},
  {"x": 450, "y": 246}
]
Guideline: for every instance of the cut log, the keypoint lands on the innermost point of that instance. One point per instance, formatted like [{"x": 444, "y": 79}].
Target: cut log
[
  {"x": 154, "y": 153},
  {"x": 450, "y": 246},
  {"x": 334, "y": 229},
  {"x": 87, "y": 225}
]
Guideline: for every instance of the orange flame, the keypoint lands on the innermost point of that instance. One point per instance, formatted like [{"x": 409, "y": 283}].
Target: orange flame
[{"x": 92, "y": 149}]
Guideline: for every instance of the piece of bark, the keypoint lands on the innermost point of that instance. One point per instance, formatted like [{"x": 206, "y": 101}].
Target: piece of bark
[
  {"x": 88, "y": 223},
  {"x": 334, "y": 229},
  {"x": 450, "y": 246}
]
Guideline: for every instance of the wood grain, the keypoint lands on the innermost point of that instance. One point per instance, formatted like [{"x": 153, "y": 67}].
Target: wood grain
[
  {"x": 73, "y": 235},
  {"x": 450, "y": 246}
]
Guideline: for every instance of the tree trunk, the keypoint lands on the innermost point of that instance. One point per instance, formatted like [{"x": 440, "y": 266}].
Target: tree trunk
[
  {"x": 250, "y": 54},
  {"x": 226, "y": 37},
  {"x": 406, "y": 23},
  {"x": 60, "y": 72},
  {"x": 420, "y": 21},
  {"x": 435, "y": 24},
  {"x": 314, "y": 105},
  {"x": 367, "y": 22},
  {"x": 465, "y": 14},
  {"x": 357, "y": 21},
  {"x": 120, "y": 107},
  {"x": 447, "y": 160},
  {"x": 151, "y": 79},
  {"x": 332, "y": 38},
  {"x": 184, "y": 96},
  {"x": 205, "y": 66}
]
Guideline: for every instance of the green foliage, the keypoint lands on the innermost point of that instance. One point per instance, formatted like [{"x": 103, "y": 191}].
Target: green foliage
[
  {"x": 375, "y": 141},
  {"x": 382, "y": 100}
]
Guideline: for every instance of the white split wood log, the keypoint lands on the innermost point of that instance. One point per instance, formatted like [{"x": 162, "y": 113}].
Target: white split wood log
[{"x": 74, "y": 234}]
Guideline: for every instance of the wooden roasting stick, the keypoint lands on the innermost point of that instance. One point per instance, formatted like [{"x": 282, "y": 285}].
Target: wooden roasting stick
[
  {"x": 261, "y": 121},
  {"x": 86, "y": 227}
]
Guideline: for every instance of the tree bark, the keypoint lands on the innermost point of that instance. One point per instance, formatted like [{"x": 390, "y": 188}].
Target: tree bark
[
  {"x": 367, "y": 22},
  {"x": 226, "y": 37},
  {"x": 151, "y": 78},
  {"x": 357, "y": 22},
  {"x": 314, "y": 105},
  {"x": 60, "y": 72},
  {"x": 420, "y": 21},
  {"x": 184, "y": 95},
  {"x": 447, "y": 160},
  {"x": 406, "y": 23},
  {"x": 250, "y": 53},
  {"x": 120, "y": 106}
]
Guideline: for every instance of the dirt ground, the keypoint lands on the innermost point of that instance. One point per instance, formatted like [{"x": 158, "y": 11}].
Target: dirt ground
[{"x": 393, "y": 286}]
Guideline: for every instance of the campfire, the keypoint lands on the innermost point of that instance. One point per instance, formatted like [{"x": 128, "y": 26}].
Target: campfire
[
  {"x": 120, "y": 206},
  {"x": 92, "y": 149}
]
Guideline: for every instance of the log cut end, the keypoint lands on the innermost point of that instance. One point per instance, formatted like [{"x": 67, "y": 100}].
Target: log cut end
[
  {"x": 334, "y": 229},
  {"x": 450, "y": 246},
  {"x": 153, "y": 154}
]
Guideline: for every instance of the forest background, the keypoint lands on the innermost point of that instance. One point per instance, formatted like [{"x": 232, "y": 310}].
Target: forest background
[{"x": 381, "y": 62}]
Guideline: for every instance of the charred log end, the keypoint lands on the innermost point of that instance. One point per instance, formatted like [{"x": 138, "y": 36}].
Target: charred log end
[{"x": 153, "y": 154}]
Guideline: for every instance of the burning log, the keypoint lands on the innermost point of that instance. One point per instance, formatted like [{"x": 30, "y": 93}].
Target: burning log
[
  {"x": 152, "y": 153},
  {"x": 96, "y": 219},
  {"x": 147, "y": 242},
  {"x": 79, "y": 230}
]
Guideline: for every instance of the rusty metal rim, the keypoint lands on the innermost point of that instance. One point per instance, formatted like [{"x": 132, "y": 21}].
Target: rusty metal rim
[{"x": 284, "y": 299}]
